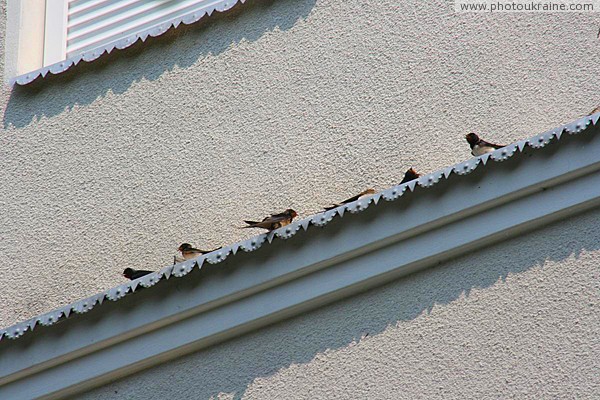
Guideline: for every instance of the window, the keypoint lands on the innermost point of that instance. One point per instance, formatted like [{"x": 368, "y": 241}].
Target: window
[{"x": 52, "y": 35}]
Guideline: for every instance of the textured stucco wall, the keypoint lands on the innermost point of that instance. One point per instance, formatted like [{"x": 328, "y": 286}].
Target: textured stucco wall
[
  {"x": 282, "y": 103},
  {"x": 518, "y": 320}
]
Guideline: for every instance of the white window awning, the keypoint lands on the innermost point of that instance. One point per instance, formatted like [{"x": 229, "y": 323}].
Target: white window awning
[{"x": 53, "y": 35}]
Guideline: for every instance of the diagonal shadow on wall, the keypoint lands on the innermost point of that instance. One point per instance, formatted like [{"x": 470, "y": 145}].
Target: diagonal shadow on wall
[
  {"x": 178, "y": 48},
  {"x": 231, "y": 367}
]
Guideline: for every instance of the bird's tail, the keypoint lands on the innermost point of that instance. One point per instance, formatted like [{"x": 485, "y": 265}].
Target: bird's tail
[{"x": 251, "y": 224}]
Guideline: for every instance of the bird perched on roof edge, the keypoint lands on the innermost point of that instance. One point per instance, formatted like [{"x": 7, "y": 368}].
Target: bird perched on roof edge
[
  {"x": 409, "y": 175},
  {"x": 132, "y": 274},
  {"x": 188, "y": 252},
  {"x": 479, "y": 146},
  {"x": 362, "y": 194},
  {"x": 274, "y": 221}
]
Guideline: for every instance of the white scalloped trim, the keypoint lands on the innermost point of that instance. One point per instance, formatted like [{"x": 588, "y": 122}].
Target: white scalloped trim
[{"x": 504, "y": 153}]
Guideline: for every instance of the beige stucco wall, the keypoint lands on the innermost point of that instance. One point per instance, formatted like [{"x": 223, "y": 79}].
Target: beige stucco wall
[
  {"x": 284, "y": 103},
  {"x": 518, "y": 320}
]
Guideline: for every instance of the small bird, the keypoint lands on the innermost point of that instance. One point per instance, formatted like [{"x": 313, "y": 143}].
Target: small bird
[
  {"x": 410, "y": 175},
  {"x": 595, "y": 110},
  {"x": 132, "y": 274},
  {"x": 362, "y": 194},
  {"x": 479, "y": 146},
  {"x": 188, "y": 252},
  {"x": 274, "y": 221}
]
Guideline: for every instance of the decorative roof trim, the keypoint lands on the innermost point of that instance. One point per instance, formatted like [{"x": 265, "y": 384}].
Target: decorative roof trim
[
  {"x": 320, "y": 220},
  {"x": 252, "y": 290},
  {"x": 157, "y": 30}
]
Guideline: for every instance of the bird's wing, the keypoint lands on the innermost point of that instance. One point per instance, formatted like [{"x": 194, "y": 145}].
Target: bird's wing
[
  {"x": 353, "y": 198},
  {"x": 483, "y": 143},
  {"x": 266, "y": 224},
  {"x": 193, "y": 250},
  {"x": 139, "y": 273},
  {"x": 277, "y": 217},
  {"x": 407, "y": 178},
  {"x": 270, "y": 222}
]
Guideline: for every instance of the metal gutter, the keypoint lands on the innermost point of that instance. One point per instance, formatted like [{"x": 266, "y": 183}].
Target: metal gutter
[{"x": 391, "y": 234}]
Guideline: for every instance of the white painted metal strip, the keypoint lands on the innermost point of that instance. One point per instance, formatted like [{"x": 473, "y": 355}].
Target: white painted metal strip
[
  {"x": 77, "y": 16},
  {"x": 291, "y": 298},
  {"x": 320, "y": 268},
  {"x": 95, "y": 23},
  {"x": 55, "y": 37},
  {"x": 78, "y": 6}
]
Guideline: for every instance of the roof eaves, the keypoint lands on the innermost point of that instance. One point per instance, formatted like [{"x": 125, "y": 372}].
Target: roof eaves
[
  {"x": 319, "y": 220},
  {"x": 376, "y": 245}
]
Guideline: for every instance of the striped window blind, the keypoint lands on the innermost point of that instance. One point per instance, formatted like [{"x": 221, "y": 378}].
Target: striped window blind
[{"x": 94, "y": 23}]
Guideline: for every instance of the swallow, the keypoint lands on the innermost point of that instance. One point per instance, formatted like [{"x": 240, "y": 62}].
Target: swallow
[
  {"x": 410, "y": 175},
  {"x": 479, "y": 146},
  {"x": 132, "y": 274},
  {"x": 362, "y": 194},
  {"x": 274, "y": 221},
  {"x": 595, "y": 110},
  {"x": 188, "y": 252}
]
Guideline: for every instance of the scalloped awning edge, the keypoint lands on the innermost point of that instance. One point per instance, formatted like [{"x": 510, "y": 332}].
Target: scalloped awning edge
[{"x": 122, "y": 43}]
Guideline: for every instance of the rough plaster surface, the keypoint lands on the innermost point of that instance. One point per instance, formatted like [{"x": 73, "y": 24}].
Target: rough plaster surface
[
  {"x": 518, "y": 320},
  {"x": 282, "y": 103}
]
